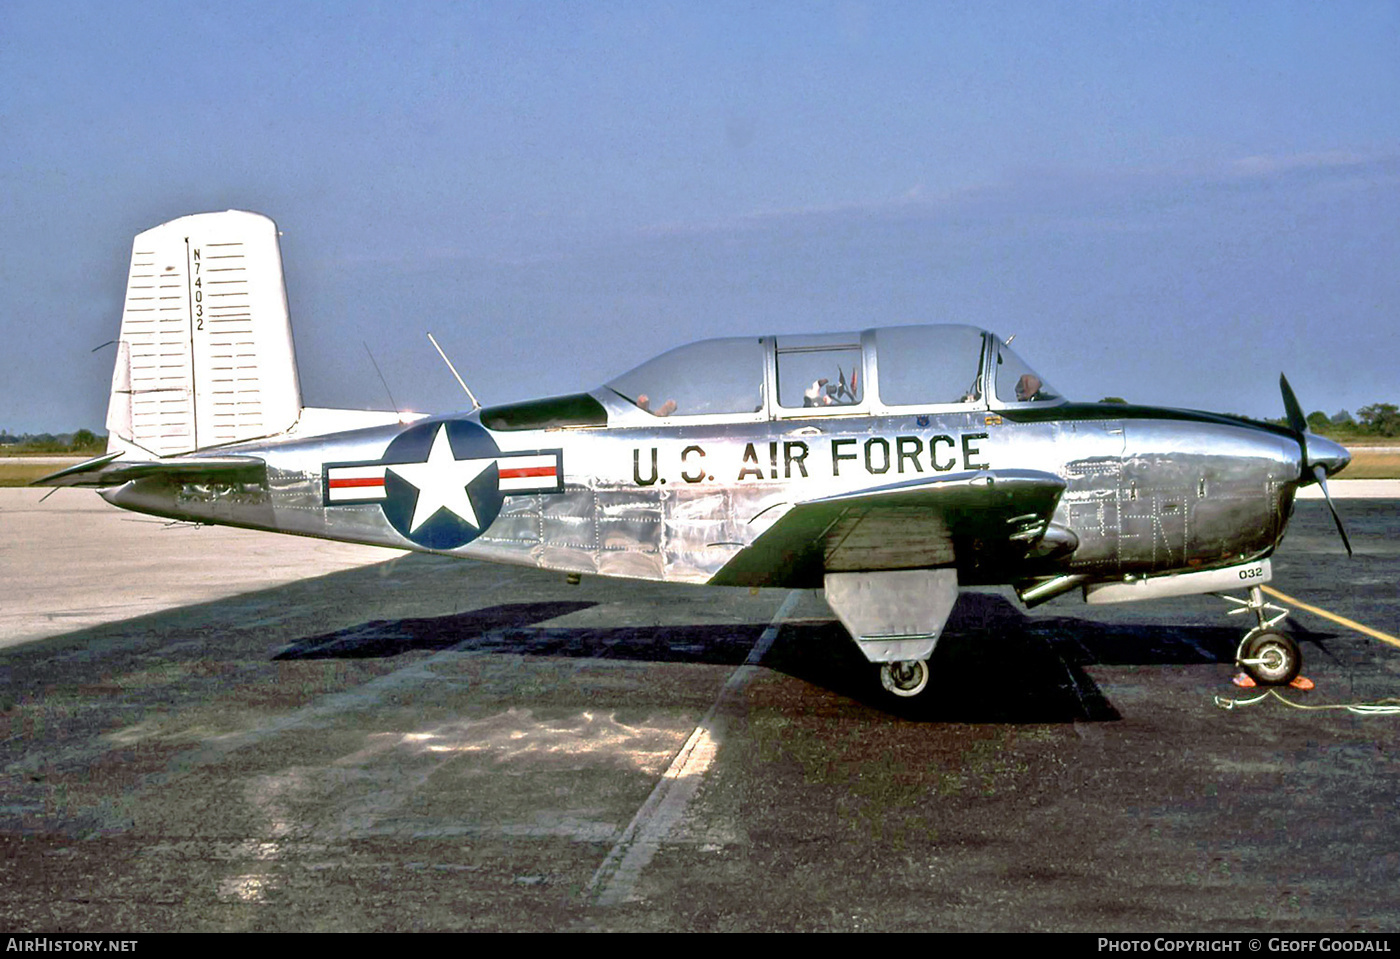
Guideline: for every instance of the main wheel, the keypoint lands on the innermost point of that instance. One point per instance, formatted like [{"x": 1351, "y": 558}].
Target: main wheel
[
  {"x": 1270, "y": 658},
  {"x": 907, "y": 678}
]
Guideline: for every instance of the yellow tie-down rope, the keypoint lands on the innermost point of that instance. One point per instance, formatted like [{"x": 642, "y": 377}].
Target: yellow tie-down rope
[{"x": 1374, "y": 633}]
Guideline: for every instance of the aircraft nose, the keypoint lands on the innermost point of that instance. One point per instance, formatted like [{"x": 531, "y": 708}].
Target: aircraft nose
[{"x": 1329, "y": 455}]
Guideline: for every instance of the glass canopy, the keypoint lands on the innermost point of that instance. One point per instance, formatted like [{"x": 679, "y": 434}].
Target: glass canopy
[
  {"x": 930, "y": 365},
  {"x": 918, "y": 366},
  {"x": 712, "y": 376}
]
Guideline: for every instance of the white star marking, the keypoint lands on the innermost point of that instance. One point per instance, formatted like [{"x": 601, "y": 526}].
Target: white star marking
[{"x": 442, "y": 482}]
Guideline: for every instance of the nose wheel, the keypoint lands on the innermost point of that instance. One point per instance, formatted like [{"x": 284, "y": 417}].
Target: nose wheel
[
  {"x": 904, "y": 679},
  {"x": 1268, "y": 655}
]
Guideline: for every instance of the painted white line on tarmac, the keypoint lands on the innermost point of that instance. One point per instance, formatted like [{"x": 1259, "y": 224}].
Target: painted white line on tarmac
[{"x": 616, "y": 879}]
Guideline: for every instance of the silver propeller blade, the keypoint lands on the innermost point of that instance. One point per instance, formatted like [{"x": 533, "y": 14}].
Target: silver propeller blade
[
  {"x": 1298, "y": 423},
  {"x": 1320, "y": 472}
]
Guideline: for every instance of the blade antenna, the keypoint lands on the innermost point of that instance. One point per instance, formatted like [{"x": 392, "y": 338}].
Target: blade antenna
[
  {"x": 460, "y": 381},
  {"x": 381, "y": 378}
]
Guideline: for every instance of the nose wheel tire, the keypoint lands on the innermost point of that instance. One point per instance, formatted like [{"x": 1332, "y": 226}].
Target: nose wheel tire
[
  {"x": 906, "y": 678},
  {"x": 1270, "y": 658}
]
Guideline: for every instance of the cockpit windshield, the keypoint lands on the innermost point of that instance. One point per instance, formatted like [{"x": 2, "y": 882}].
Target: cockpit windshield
[
  {"x": 1017, "y": 382},
  {"x": 712, "y": 376}
]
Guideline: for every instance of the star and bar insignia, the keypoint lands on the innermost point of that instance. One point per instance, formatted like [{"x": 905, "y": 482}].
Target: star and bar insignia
[{"x": 441, "y": 484}]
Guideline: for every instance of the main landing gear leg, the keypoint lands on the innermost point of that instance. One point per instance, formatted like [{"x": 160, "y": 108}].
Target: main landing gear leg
[
  {"x": 895, "y": 617},
  {"x": 1268, "y": 655}
]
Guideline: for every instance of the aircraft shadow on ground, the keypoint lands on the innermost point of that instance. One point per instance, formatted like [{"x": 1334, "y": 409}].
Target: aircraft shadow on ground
[
  {"x": 993, "y": 664},
  {"x": 382, "y": 638}
]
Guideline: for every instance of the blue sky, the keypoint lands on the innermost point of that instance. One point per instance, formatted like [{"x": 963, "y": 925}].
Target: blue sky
[{"x": 1170, "y": 202}]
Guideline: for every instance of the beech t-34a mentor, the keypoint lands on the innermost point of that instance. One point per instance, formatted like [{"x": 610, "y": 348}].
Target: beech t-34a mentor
[{"x": 886, "y": 467}]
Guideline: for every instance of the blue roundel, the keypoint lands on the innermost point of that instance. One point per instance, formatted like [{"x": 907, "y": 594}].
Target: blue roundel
[{"x": 442, "y": 483}]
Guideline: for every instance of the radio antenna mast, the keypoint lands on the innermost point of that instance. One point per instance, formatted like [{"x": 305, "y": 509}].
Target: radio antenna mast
[
  {"x": 381, "y": 377},
  {"x": 460, "y": 382}
]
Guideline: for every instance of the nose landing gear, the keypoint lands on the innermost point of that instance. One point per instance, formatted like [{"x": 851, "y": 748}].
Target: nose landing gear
[{"x": 1269, "y": 656}]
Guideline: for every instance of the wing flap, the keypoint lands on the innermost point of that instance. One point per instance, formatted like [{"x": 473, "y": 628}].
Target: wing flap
[{"x": 958, "y": 519}]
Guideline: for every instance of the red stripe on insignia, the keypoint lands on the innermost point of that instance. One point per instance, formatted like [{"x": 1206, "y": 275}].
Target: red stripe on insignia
[
  {"x": 362, "y": 481},
  {"x": 523, "y": 471}
]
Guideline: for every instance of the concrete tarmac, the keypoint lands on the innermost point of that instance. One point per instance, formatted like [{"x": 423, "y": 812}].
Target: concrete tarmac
[
  {"x": 71, "y": 561},
  {"x": 254, "y": 733}
]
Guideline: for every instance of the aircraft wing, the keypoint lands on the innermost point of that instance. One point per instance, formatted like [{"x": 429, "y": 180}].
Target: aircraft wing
[
  {"x": 108, "y": 471},
  {"x": 963, "y": 519}
]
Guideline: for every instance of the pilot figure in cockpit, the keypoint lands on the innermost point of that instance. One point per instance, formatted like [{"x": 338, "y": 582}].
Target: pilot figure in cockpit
[
  {"x": 818, "y": 394},
  {"x": 1028, "y": 389}
]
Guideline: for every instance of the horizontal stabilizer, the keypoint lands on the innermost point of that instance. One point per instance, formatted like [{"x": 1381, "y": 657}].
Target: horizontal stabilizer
[{"x": 105, "y": 471}]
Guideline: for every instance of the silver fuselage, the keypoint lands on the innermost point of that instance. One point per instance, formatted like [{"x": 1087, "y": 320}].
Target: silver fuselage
[{"x": 1147, "y": 491}]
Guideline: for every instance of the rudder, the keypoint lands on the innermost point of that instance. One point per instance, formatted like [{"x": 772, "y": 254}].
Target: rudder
[{"x": 205, "y": 355}]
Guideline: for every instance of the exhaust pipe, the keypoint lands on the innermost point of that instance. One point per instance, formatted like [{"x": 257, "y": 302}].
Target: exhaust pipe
[{"x": 1047, "y": 589}]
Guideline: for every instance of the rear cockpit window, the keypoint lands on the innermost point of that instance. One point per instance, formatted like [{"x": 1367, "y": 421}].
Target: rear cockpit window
[
  {"x": 929, "y": 365},
  {"x": 819, "y": 375},
  {"x": 710, "y": 377}
]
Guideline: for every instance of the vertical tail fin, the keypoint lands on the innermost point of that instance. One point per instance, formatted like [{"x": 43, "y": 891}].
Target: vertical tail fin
[{"x": 205, "y": 355}]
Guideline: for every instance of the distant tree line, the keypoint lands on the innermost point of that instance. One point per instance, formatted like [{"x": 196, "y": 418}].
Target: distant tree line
[
  {"x": 79, "y": 441},
  {"x": 1378, "y": 419}
]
